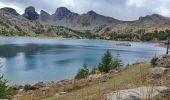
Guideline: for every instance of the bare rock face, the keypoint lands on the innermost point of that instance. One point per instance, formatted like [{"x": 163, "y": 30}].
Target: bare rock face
[
  {"x": 30, "y": 13},
  {"x": 10, "y": 10},
  {"x": 153, "y": 19},
  {"x": 164, "y": 61},
  {"x": 44, "y": 16},
  {"x": 63, "y": 13}
]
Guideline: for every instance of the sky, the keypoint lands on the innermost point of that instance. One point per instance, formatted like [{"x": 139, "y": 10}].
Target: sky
[{"x": 119, "y": 9}]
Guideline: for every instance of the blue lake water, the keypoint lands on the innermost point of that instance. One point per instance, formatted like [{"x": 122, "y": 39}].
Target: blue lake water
[{"x": 30, "y": 60}]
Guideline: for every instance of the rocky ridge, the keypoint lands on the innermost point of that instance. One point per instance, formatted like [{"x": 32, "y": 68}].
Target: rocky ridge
[{"x": 90, "y": 21}]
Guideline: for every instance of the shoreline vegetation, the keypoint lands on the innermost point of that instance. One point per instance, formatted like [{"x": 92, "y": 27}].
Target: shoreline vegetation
[{"x": 104, "y": 78}]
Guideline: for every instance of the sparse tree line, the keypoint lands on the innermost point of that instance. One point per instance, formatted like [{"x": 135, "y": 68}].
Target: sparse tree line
[
  {"x": 108, "y": 63},
  {"x": 141, "y": 35},
  {"x": 65, "y": 32}
]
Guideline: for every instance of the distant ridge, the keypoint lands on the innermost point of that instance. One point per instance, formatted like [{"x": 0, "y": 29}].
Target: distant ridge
[{"x": 90, "y": 21}]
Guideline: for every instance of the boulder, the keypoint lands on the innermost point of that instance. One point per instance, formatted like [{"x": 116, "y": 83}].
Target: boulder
[
  {"x": 140, "y": 93},
  {"x": 99, "y": 77},
  {"x": 163, "y": 61},
  {"x": 104, "y": 78},
  {"x": 39, "y": 85},
  {"x": 164, "y": 95},
  {"x": 158, "y": 71}
]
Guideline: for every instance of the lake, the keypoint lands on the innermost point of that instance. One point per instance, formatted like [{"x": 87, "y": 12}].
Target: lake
[{"x": 30, "y": 60}]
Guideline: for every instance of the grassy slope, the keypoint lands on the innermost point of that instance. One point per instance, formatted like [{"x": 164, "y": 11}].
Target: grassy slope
[{"x": 96, "y": 91}]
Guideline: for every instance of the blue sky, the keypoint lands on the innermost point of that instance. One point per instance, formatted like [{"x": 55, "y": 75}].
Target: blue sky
[{"x": 120, "y": 9}]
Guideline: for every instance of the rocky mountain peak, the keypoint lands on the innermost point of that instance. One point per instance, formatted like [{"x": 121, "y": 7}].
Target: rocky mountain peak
[
  {"x": 10, "y": 10},
  {"x": 30, "y": 13},
  {"x": 44, "y": 16},
  {"x": 62, "y": 9},
  {"x": 44, "y": 13},
  {"x": 63, "y": 12},
  {"x": 151, "y": 17},
  {"x": 92, "y": 12}
]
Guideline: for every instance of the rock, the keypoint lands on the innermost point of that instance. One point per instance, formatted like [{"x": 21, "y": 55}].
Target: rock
[
  {"x": 64, "y": 13},
  {"x": 10, "y": 10},
  {"x": 44, "y": 16},
  {"x": 44, "y": 89},
  {"x": 104, "y": 78},
  {"x": 30, "y": 13},
  {"x": 61, "y": 93},
  {"x": 131, "y": 97},
  {"x": 131, "y": 85},
  {"x": 164, "y": 95},
  {"x": 94, "y": 77},
  {"x": 140, "y": 93},
  {"x": 158, "y": 71},
  {"x": 90, "y": 77},
  {"x": 123, "y": 44},
  {"x": 99, "y": 77},
  {"x": 39, "y": 85},
  {"x": 165, "y": 92},
  {"x": 161, "y": 88},
  {"x": 163, "y": 61},
  {"x": 57, "y": 94},
  {"x": 20, "y": 90}
]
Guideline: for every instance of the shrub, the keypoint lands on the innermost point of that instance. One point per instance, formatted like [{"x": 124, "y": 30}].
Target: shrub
[
  {"x": 94, "y": 70},
  {"x": 153, "y": 60},
  {"x": 27, "y": 87},
  {"x": 82, "y": 73},
  {"x": 5, "y": 91}
]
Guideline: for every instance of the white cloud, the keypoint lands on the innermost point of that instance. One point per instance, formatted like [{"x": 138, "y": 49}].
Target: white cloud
[{"x": 137, "y": 3}]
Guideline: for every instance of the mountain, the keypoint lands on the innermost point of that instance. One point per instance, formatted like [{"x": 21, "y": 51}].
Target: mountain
[
  {"x": 30, "y": 13},
  {"x": 9, "y": 10},
  {"x": 91, "y": 19},
  {"x": 87, "y": 21},
  {"x": 97, "y": 23},
  {"x": 12, "y": 21},
  {"x": 66, "y": 22},
  {"x": 148, "y": 23},
  {"x": 63, "y": 13}
]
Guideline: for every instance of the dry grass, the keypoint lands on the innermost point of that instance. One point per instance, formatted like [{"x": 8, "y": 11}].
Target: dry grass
[
  {"x": 96, "y": 91},
  {"x": 137, "y": 75}
]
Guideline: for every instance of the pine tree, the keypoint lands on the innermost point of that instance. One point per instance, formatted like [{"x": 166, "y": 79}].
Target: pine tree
[
  {"x": 106, "y": 63},
  {"x": 117, "y": 62},
  {"x": 83, "y": 72},
  {"x": 5, "y": 91}
]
